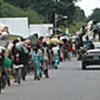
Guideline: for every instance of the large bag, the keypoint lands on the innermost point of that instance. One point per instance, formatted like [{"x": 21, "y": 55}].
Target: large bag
[{"x": 7, "y": 62}]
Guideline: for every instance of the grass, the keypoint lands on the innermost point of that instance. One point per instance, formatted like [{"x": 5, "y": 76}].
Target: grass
[{"x": 12, "y": 37}]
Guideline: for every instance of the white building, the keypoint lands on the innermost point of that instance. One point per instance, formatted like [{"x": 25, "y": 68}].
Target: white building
[
  {"x": 41, "y": 29},
  {"x": 17, "y": 26}
]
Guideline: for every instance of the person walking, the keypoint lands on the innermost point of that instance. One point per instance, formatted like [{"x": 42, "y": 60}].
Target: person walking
[
  {"x": 17, "y": 66},
  {"x": 36, "y": 58},
  {"x": 24, "y": 62},
  {"x": 5, "y": 69},
  {"x": 64, "y": 51},
  {"x": 56, "y": 55},
  {"x": 46, "y": 60}
]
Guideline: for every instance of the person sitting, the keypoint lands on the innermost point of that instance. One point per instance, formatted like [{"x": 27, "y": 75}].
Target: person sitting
[{"x": 87, "y": 45}]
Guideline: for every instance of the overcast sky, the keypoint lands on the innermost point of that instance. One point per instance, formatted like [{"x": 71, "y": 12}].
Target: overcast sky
[{"x": 89, "y": 5}]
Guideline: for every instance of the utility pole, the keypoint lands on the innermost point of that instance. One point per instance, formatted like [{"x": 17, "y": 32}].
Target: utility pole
[{"x": 57, "y": 18}]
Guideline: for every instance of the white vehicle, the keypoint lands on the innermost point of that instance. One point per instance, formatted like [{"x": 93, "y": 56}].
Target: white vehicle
[{"x": 91, "y": 57}]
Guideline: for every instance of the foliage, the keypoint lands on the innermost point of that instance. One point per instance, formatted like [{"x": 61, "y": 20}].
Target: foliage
[
  {"x": 79, "y": 15},
  {"x": 19, "y": 3},
  {"x": 1, "y": 2},
  {"x": 11, "y": 37},
  {"x": 47, "y": 8},
  {"x": 8, "y": 10},
  {"x": 79, "y": 20},
  {"x": 95, "y": 15},
  {"x": 40, "y": 11},
  {"x": 34, "y": 18},
  {"x": 76, "y": 26}
]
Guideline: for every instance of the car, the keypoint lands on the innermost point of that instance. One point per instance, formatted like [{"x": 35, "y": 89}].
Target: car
[{"x": 92, "y": 56}]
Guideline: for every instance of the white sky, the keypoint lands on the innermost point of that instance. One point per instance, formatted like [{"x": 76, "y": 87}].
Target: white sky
[{"x": 89, "y": 5}]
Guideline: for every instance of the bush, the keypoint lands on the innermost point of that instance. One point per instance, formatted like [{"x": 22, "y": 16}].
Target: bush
[
  {"x": 34, "y": 17},
  {"x": 1, "y": 2},
  {"x": 76, "y": 26},
  {"x": 8, "y": 10},
  {"x": 11, "y": 37}
]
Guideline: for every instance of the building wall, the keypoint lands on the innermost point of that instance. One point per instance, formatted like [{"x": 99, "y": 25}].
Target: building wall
[
  {"x": 17, "y": 26},
  {"x": 41, "y": 29}
]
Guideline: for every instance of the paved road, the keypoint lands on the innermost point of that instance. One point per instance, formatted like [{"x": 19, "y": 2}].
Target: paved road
[{"x": 69, "y": 82}]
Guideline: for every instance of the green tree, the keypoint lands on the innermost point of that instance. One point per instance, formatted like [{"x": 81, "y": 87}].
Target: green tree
[
  {"x": 79, "y": 15},
  {"x": 1, "y": 3},
  {"x": 20, "y": 3},
  {"x": 48, "y": 8},
  {"x": 79, "y": 20},
  {"x": 95, "y": 15},
  {"x": 8, "y": 10},
  {"x": 76, "y": 26}
]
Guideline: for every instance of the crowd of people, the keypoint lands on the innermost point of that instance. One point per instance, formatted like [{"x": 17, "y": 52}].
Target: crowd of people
[{"x": 39, "y": 54}]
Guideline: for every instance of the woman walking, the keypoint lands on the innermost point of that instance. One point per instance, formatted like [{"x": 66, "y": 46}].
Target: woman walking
[
  {"x": 36, "y": 58},
  {"x": 17, "y": 66}
]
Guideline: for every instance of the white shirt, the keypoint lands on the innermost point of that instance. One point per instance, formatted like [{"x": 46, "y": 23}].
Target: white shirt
[
  {"x": 55, "y": 50},
  {"x": 45, "y": 54}
]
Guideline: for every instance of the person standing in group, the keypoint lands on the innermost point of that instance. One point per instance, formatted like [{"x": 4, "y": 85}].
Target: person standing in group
[
  {"x": 24, "y": 62},
  {"x": 56, "y": 55},
  {"x": 69, "y": 49},
  {"x": 41, "y": 50},
  {"x": 1, "y": 69},
  {"x": 64, "y": 51},
  {"x": 5, "y": 64},
  {"x": 36, "y": 58},
  {"x": 17, "y": 66},
  {"x": 45, "y": 59}
]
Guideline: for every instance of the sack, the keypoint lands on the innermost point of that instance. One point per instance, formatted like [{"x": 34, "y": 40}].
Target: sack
[
  {"x": 18, "y": 46},
  {"x": 28, "y": 41},
  {"x": 7, "y": 62}
]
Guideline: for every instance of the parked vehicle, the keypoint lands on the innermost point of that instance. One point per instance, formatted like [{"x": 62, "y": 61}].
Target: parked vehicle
[{"x": 91, "y": 57}]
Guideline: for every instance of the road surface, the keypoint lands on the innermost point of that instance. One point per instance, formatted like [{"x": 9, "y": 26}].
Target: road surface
[{"x": 69, "y": 82}]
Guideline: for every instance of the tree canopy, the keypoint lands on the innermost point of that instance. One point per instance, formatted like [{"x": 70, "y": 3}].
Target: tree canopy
[
  {"x": 43, "y": 11},
  {"x": 8, "y": 10},
  {"x": 1, "y": 2},
  {"x": 47, "y": 8},
  {"x": 95, "y": 15}
]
